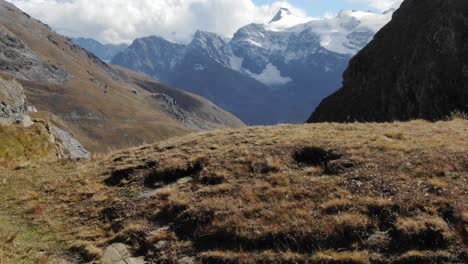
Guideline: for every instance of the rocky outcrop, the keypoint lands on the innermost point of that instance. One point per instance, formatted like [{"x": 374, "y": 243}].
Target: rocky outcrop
[
  {"x": 14, "y": 110},
  {"x": 73, "y": 148},
  {"x": 416, "y": 67},
  {"x": 13, "y": 106}
]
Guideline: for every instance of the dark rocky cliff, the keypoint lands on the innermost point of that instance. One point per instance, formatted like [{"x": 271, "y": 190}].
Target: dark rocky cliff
[{"x": 416, "y": 67}]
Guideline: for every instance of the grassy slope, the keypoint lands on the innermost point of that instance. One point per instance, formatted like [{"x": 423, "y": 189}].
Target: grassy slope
[
  {"x": 321, "y": 193},
  {"x": 19, "y": 145}
]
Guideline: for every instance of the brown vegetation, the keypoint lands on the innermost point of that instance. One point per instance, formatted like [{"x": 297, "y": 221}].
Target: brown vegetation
[
  {"x": 322, "y": 193},
  {"x": 20, "y": 145}
]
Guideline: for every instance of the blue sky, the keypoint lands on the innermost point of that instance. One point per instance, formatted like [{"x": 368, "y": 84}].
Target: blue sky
[{"x": 317, "y": 8}]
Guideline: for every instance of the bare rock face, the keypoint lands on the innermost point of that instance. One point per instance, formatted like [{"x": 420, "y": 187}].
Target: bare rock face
[
  {"x": 73, "y": 147},
  {"x": 416, "y": 67},
  {"x": 13, "y": 106}
]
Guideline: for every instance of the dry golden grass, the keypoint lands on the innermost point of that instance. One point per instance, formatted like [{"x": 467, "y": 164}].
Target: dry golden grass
[
  {"x": 458, "y": 115},
  {"x": 20, "y": 146},
  {"x": 319, "y": 193},
  {"x": 342, "y": 257}
]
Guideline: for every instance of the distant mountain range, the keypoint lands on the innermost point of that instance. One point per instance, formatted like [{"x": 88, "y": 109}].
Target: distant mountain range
[
  {"x": 104, "y": 52},
  {"x": 267, "y": 73},
  {"x": 410, "y": 70}
]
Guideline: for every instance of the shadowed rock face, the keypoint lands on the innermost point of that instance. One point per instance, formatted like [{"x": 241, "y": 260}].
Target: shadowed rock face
[{"x": 416, "y": 67}]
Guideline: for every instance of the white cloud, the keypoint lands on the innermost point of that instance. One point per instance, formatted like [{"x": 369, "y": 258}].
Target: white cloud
[
  {"x": 115, "y": 21},
  {"x": 382, "y": 5}
]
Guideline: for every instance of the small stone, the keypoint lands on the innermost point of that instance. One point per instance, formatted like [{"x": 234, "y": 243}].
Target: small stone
[
  {"x": 139, "y": 260},
  {"x": 184, "y": 180},
  {"x": 379, "y": 241},
  {"x": 160, "y": 245},
  {"x": 147, "y": 194},
  {"x": 186, "y": 260},
  {"x": 26, "y": 121},
  {"x": 115, "y": 253}
]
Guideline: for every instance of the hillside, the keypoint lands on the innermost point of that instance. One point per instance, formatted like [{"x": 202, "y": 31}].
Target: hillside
[
  {"x": 316, "y": 193},
  {"x": 415, "y": 68},
  {"x": 102, "y": 106}
]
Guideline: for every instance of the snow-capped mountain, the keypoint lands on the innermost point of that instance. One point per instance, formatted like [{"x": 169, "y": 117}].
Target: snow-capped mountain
[
  {"x": 266, "y": 73},
  {"x": 285, "y": 19},
  {"x": 265, "y": 47},
  {"x": 348, "y": 32}
]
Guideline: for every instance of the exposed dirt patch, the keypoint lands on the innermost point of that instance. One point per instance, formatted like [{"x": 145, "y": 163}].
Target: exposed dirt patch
[
  {"x": 171, "y": 175},
  {"x": 314, "y": 156},
  {"x": 119, "y": 175}
]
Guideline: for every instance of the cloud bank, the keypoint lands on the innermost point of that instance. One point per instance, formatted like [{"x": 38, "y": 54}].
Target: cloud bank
[
  {"x": 121, "y": 21},
  {"x": 382, "y": 5}
]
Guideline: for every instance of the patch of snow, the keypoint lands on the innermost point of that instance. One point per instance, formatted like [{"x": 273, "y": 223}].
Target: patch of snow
[
  {"x": 290, "y": 56},
  {"x": 173, "y": 63},
  {"x": 236, "y": 62},
  {"x": 271, "y": 76},
  {"x": 198, "y": 67},
  {"x": 255, "y": 43}
]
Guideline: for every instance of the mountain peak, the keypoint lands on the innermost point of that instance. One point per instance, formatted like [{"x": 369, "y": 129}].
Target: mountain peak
[
  {"x": 282, "y": 13},
  {"x": 205, "y": 34},
  {"x": 204, "y": 37},
  {"x": 285, "y": 18},
  {"x": 345, "y": 12}
]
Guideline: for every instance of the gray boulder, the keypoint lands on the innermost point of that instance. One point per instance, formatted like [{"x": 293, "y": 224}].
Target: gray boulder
[{"x": 70, "y": 144}]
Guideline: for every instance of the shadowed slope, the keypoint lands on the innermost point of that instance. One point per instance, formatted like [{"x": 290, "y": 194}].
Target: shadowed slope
[{"x": 416, "y": 67}]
